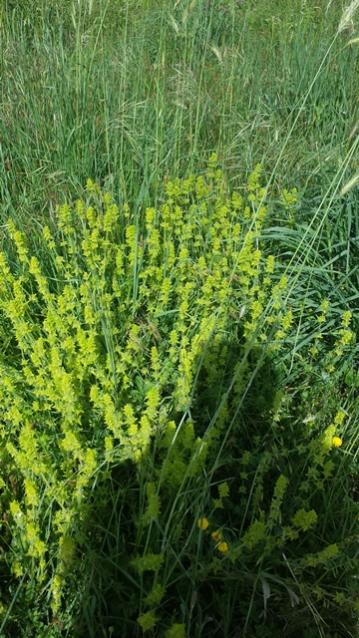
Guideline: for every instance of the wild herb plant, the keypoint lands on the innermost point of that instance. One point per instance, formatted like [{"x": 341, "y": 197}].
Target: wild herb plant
[{"x": 138, "y": 338}]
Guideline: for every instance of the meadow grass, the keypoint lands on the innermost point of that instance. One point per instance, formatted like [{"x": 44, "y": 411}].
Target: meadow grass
[
  {"x": 134, "y": 94},
  {"x": 133, "y": 97}
]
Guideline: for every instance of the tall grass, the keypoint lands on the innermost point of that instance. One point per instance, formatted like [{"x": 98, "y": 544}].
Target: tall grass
[{"x": 134, "y": 93}]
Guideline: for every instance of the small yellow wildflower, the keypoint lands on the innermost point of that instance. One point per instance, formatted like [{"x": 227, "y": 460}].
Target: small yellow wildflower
[
  {"x": 203, "y": 523},
  {"x": 337, "y": 441},
  {"x": 346, "y": 318},
  {"x": 223, "y": 547},
  {"x": 216, "y": 536}
]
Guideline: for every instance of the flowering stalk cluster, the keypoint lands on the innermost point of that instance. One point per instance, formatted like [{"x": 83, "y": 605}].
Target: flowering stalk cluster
[{"x": 104, "y": 333}]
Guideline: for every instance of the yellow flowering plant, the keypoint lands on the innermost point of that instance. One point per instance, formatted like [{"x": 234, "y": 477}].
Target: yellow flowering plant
[
  {"x": 138, "y": 339},
  {"x": 106, "y": 327}
]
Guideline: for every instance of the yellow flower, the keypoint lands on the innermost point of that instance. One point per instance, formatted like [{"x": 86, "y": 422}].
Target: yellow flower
[
  {"x": 203, "y": 523},
  {"x": 223, "y": 547},
  {"x": 217, "y": 535},
  {"x": 337, "y": 441}
]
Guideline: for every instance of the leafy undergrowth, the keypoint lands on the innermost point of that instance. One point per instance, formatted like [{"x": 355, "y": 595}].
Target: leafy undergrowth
[{"x": 161, "y": 471}]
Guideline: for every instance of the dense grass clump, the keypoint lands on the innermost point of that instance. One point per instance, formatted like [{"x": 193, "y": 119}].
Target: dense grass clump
[{"x": 132, "y": 91}]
